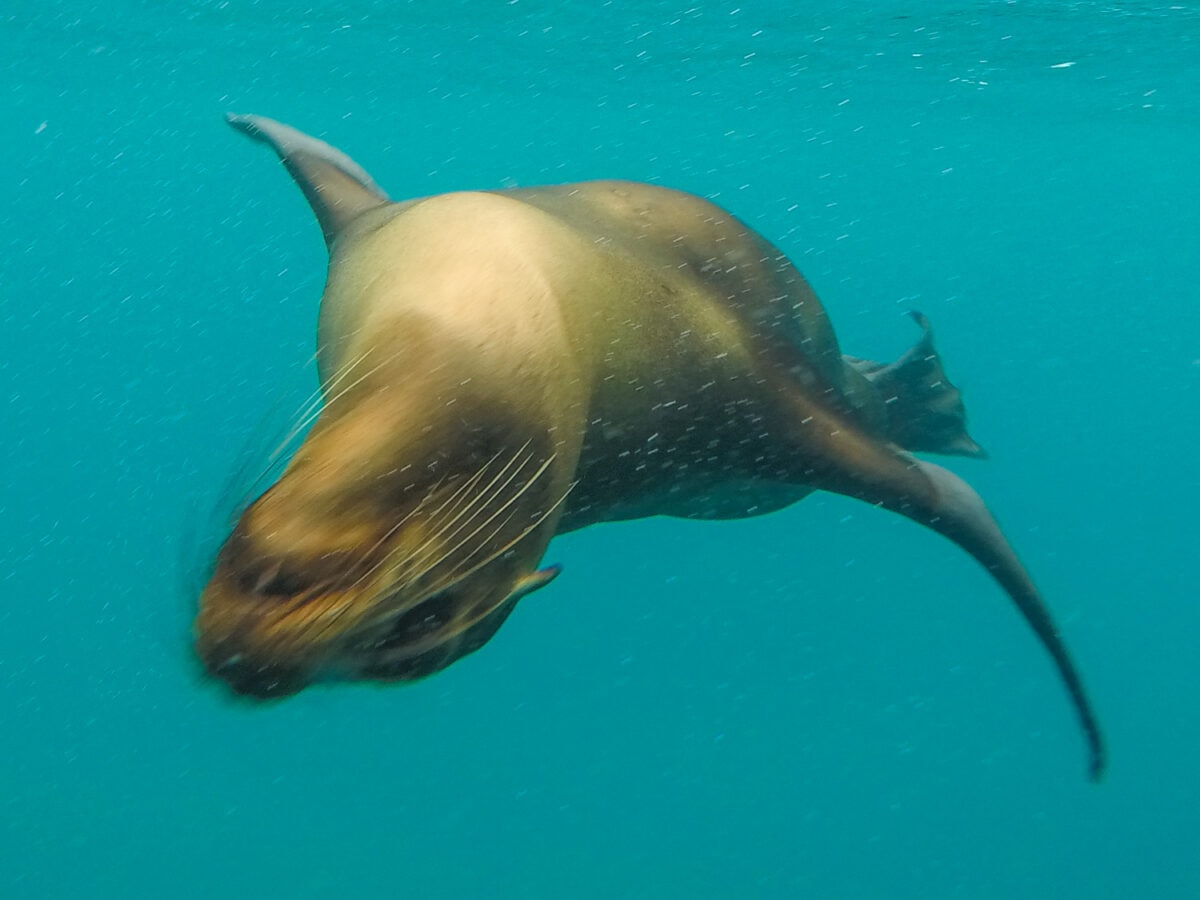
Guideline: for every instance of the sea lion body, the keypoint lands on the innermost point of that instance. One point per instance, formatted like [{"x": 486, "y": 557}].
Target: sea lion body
[
  {"x": 501, "y": 367},
  {"x": 620, "y": 300}
]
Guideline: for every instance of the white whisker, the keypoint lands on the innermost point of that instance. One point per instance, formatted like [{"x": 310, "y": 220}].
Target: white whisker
[
  {"x": 391, "y": 558},
  {"x": 409, "y": 651},
  {"x": 507, "y": 503},
  {"x": 322, "y": 406},
  {"x": 477, "y": 505},
  {"x": 314, "y": 403},
  {"x": 309, "y": 409},
  {"x": 385, "y": 537},
  {"x": 512, "y": 543}
]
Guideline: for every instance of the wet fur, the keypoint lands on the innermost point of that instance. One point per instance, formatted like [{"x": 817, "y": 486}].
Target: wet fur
[{"x": 501, "y": 367}]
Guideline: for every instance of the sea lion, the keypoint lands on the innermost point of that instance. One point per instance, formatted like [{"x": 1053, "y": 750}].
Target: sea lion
[{"x": 499, "y": 367}]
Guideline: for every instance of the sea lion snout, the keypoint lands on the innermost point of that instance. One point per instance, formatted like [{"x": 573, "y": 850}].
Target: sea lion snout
[
  {"x": 240, "y": 635},
  {"x": 247, "y": 677},
  {"x": 325, "y": 577}
]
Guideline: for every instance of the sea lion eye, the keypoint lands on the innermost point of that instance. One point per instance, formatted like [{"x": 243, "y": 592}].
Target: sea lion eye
[
  {"x": 426, "y": 617},
  {"x": 276, "y": 580}
]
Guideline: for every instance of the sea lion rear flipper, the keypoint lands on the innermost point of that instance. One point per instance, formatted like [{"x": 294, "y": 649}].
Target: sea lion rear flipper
[
  {"x": 337, "y": 188},
  {"x": 960, "y": 514},
  {"x": 839, "y": 458},
  {"x": 924, "y": 410}
]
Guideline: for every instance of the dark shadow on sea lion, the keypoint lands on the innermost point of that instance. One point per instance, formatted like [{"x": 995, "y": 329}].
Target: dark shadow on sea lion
[{"x": 500, "y": 367}]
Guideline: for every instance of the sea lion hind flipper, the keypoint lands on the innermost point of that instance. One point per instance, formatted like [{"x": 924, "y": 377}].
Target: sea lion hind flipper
[
  {"x": 925, "y": 412},
  {"x": 960, "y": 514},
  {"x": 841, "y": 459},
  {"x": 337, "y": 188}
]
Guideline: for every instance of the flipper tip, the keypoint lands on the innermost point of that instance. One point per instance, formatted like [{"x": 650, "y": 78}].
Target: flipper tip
[
  {"x": 920, "y": 318},
  {"x": 247, "y": 124},
  {"x": 1097, "y": 765},
  {"x": 337, "y": 188}
]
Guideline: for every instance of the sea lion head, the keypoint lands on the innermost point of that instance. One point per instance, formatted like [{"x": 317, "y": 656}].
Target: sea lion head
[
  {"x": 395, "y": 542},
  {"x": 412, "y": 517}
]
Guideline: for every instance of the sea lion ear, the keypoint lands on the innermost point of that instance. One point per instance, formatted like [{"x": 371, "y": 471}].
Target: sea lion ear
[
  {"x": 336, "y": 187},
  {"x": 531, "y": 582}
]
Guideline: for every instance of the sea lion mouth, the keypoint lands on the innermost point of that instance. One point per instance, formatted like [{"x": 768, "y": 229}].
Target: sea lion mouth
[
  {"x": 254, "y": 666},
  {"x": 417, "y": 624},
  {"x": 426, "y": 638}
]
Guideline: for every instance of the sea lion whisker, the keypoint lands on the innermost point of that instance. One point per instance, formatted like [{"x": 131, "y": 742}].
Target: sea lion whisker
[
  {"x": 478, "y": 503},
  {"x": 289, "y": 606},
  {"x": 434, "y": 589},
  {"x": 321, "y": 625},
  {"x": 455, "y": 574},
  {"x": 308, "y": 415},
  {"x": 366, "y": 554},
  {"x": 482, "y": 508},
  {"x": 393, "y": 557},
  {"x": 533, "y": 526},
  {"x": 314, "y": 396},
  {"x": 454, "y": 509},
  {"x": 312, "y": 404},
  {"x": 460, "y": 491},
  {"x": 461, "y": 624},
  {"x": 386, "y": 615},
  {"x": 472, "y": 510},
  {"x": 304, "y": 417},
  {"x": 465, "y": 623},
  {"x": 315, "y": 401},
  {"x": 507, "y": 503},
  {"x": 326, "y": 402},
  {"x": 330, "y": 400},
  {"x": 320, "y": 402},
  {"x": 387, "y": 535}
]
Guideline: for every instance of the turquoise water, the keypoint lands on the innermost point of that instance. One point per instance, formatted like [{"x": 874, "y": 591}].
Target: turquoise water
[{"x": 824, "y": 702}]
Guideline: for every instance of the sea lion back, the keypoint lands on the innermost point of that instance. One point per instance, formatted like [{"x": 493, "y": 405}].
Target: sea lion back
[{"x": 688, "y": 237}]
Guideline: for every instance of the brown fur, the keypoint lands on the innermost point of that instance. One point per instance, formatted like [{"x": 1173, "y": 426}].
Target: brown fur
[{"x": 503, "y": 367}]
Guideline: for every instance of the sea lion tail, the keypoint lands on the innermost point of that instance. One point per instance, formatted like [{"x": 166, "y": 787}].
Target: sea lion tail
[
  {"x": 337, "y": 188},
  {"x": 924, "y": 410}
]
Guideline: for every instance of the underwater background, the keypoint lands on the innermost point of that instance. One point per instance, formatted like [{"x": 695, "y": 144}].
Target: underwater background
[{"x": 824, "y": 702}]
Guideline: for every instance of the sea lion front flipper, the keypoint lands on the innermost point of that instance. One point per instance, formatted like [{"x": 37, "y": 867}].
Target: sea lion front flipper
[
  {"x": 535, "y": 580},
  {"x": 837, "y": 457},
  {"x": 337, "y": 188}
]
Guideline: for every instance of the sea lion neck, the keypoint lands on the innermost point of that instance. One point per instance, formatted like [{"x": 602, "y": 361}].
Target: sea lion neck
[{"x": 489, "y": 272}]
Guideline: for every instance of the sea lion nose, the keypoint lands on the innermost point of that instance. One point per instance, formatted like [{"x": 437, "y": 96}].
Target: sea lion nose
[{"x": 251, "y": 677}]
